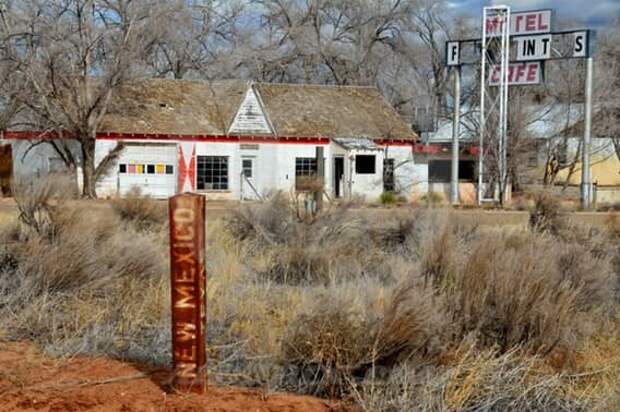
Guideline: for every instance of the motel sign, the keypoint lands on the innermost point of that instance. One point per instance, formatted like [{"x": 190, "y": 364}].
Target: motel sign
[{"x": 522, "y": 23}]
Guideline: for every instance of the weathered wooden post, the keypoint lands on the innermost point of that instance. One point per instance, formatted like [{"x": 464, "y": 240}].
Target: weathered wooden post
[
  {"x": 189, "y": 291},
  {"x": 320, "y": 169}
]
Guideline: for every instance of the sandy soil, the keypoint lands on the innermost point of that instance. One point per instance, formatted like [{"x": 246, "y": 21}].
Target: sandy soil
[{"x": 32, "y": 382}]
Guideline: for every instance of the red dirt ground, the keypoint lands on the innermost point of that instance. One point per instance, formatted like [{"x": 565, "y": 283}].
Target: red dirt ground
[{"x": 32, "y": 382}]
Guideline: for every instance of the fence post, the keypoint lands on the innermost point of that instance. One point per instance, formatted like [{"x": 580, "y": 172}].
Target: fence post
[{"x": 188, "y": 291}]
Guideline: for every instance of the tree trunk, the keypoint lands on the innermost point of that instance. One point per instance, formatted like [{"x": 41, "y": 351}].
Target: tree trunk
[{"x": 88, "y": 169}]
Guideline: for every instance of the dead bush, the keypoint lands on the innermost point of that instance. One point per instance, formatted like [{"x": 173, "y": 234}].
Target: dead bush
[
  {"x": 39, "y": 200},
  {"x": 528, "y": 295},
  {"x": 140, "y": 210},
  {"x": 334, "y": 346},
  {"x": 547, "y": 214},
  {"x": 57, "y": 289}
]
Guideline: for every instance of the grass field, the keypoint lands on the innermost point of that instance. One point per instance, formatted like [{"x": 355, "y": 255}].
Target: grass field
[{"x": 406, "y": 309}]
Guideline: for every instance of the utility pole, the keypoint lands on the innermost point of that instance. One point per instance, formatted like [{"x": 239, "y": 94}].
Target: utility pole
[
  {"x": 454, "y": 182},
  {"x": 586, "y": 185}
]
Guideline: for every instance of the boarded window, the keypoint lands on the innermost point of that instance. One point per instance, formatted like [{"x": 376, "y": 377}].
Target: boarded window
[
  {"x": 365, "y": 164},
  {"x": 440, "y": 171},
  {"x": 212, "y": 173}
]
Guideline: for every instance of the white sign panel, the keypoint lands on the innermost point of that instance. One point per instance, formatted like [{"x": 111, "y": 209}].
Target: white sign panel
[
  {"x": 533, "y": 47},
  {"x": 525, "y": 22},
  {"x": 518, "y": 74},
  {"x": 580, "y": 44},
  {"x": 453, "y": 53}
]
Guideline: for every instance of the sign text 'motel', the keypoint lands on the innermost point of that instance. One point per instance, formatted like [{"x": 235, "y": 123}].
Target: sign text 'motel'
[
  {"x": 188, "y": 289},
  {"x": 526, "y": 22}
]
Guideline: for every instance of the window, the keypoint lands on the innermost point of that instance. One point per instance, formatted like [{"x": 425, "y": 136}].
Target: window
[
  {"x": 122, "y": 168},
  {"x": 150, "y": 169},
  {"x": 365, "y": 164},
  {"x": 246, "y": 166},
  {"x": 305, "y": 173},
  {"x": 440, "y": 171},
  {"x": 305, "y": 166},
  {"x": 212, "y": 173},
  {"x": 169, "y": 169}
]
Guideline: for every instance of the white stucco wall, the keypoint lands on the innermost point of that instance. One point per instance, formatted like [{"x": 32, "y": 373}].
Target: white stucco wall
[{"x": 274, "y": 167}]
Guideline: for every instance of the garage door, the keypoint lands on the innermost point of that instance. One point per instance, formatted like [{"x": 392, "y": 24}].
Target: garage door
[{"x": 152, "y": 168}]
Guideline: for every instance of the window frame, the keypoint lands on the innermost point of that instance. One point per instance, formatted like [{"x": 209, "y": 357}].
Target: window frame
[{"x": 223, "y": 183}]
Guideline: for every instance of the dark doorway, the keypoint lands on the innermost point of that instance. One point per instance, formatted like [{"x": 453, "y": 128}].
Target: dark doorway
[
  {"x": 338, "y": 175},
  {"x": 6, "y": 170}
]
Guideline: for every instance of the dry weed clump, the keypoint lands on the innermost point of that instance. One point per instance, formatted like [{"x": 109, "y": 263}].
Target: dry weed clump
[
  {"x": 291, "y": 249},
  {"x": 547, "y": 214},
  {"x": 74, "y": 283},
  {"x": 141, "y": 211}
]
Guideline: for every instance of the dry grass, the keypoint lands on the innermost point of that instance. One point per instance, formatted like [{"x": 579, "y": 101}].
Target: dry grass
[{"x": 412, "y": 312}]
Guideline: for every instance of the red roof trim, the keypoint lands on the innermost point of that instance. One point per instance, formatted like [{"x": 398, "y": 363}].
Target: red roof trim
[{"x": 27, "y": 135}]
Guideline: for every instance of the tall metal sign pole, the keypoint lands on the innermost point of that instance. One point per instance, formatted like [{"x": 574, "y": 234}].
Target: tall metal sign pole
[
  {"x": 494, "y": 103},
  {"x": 586, "y": 184},
  {"x": 454, "y": 178},
  {"x": 188, "y": 289}
]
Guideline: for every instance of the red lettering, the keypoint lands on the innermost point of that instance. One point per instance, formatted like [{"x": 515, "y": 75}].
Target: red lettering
[
  {"x": 518, "y": 19},
  {"x": 494, "y": 74},
  {"x": 520, "y": 71},
  {"x": 511, "y": 74},
  {"x": 541, "y": 25},
  {"x": 530, "y": 22},
  {"x": 532, "y": 72}
]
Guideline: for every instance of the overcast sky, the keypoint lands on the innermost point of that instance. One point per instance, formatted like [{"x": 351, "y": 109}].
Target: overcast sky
[{"x": 591, "y": 13}]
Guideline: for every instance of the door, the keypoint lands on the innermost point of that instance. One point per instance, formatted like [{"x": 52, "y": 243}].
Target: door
[
  {"x": 6, "y": 169},
  {"x": 249, "y": 187},
  {"x": 338, "y": 175},
  {"x": 152, "y": 168}
]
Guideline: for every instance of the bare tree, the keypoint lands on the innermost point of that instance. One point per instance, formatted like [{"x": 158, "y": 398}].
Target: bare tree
[
  {"x": 72, "y": 56},
  {"x": 202, "y": 34}
]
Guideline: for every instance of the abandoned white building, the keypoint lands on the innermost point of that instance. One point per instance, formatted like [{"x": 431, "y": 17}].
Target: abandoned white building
[{"x": 241, "y": 140}]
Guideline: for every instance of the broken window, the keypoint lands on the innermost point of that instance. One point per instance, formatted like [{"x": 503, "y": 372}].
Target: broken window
[
  {"x": 365, "y": 164},
  {"x": 212, "y": 173}
]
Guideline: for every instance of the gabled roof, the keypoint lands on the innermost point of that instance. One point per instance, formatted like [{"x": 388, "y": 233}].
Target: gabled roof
[
  {"x": 185, "y": 107},
  {"x": 331, "y": 111},
  {"x": 179, "y": 107}
]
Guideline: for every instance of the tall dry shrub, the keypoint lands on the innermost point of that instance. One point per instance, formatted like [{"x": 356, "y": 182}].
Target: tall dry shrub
[
  {"x": 140, "y": 210},
  {"x": 547, "y": 214},
  {"x": 68, "y": 287},
  {"x": 333, "y": 245},
  {"x": 531, "y": 294}
]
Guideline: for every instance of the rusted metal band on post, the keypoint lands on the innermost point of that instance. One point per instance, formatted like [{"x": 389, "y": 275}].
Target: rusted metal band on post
[{"x": 188, "y": 289}]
